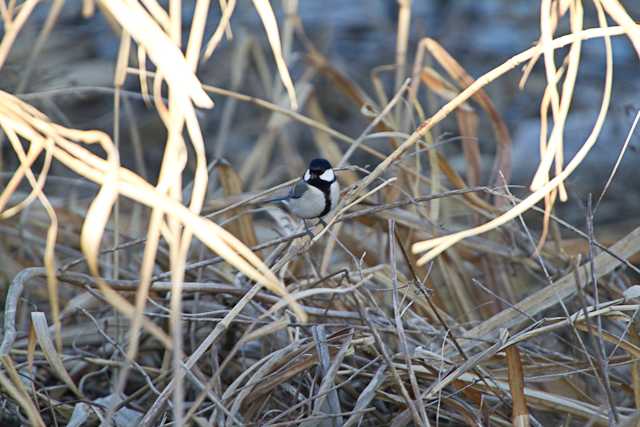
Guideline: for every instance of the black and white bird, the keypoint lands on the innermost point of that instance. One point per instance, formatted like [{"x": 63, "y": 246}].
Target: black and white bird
[{"x": 316, "y": 194}]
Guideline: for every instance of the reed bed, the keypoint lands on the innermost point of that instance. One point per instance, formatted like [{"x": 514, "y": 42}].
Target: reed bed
[{"x": 427, "y": 299}]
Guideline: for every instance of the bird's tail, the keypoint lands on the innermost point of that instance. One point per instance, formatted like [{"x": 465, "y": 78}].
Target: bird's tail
[{"x": 275, "y": 200}]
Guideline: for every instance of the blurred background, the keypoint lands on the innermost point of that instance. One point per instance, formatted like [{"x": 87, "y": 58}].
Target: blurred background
[{"x": 71, "y": 77}]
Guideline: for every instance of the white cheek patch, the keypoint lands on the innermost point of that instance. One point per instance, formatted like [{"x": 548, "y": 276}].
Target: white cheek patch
[
  {"x": 307, "y": 175},
  {"x": 328, "y": 175}
]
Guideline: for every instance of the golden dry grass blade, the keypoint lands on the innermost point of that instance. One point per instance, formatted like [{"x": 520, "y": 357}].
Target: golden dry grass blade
[
  {"x": 201, "y": 175},
  {"x": 622, "y": 18},
  {"x": 437, "y": 246},
  {"x": 402, "y": 40},
  {"x": 6, "y": 16},
  {"x": 131, "y": 185},
  {"x": 554, "y": 148},
  {"x": 215, "y": 237},
  {"x": 32, "y": 342},
  {"x": 123, "y": 59},
  {"x": 175, "y": 22},
  {"x": 546, "y": 37},
  {"x": 96, "y": 220},
  {"x": 158, "y": 13},
  {"x": 41, "y": 329},
  {"x": 263, "y": 7},
  {"x": 197, "y": 33},
  {"x": 468, "y": 125},
  {"x": 14, "y": 376},
  {"x": 52, "y": 231},
  {"x": 520, "y": 412},
  {"x": 223, "y": 5},
  {"x": 556, "y": 14},
  {"x": 179, "y": 235},
  {"x": 23, "y": 400},
  {"x": 549, "y": 21},
  {"x": 88, "y": 8},
  {"x": 223, "y": 25},
  {"x": 15, "y": 180},
  {"x": 142, "y": 74},
  {"x": 439, "y": 85},
  {"x": 355, "y": 94},
  {"x": 502, "y": 164},
  {"x": 158, "y": 102},
  {"x": 506, "y": 66},
  {"x": 26, "y": 160},
  {"x": 549, "y": 401},
  {"x": 11, "y": 32},
  {"x": 164, "y": 53},
  {"x": 560, "y": 289},
  {"x": 231, "y": 183},
  {"x": 549, "y": 199}
]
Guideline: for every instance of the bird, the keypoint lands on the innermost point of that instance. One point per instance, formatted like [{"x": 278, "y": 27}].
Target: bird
[{"x": 315, "y": 195}]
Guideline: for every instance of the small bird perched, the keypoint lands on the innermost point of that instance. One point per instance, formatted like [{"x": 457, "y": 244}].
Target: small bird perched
[{"x": 316, "y": 194}]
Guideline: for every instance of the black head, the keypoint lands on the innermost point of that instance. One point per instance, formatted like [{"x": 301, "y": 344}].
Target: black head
[
  {"x": 318, "y": 166},
  {"x": 320, "y": 173}
]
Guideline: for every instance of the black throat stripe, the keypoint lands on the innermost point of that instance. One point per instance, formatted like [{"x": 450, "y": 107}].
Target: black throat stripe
[{"x": 325, "y": 187}]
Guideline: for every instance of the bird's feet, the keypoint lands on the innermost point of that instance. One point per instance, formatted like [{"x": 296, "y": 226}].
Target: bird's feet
[{"x": 307, "y": 229}]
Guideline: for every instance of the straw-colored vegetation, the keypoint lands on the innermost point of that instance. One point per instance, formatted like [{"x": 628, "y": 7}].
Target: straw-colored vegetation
[{"x": 184, "y": 301}]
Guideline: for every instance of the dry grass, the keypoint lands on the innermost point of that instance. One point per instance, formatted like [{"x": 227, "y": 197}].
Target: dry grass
[{"x": 380, "y": 318}]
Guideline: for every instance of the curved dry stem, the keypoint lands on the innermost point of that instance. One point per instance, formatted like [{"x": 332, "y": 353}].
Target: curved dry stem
[
  {"x": 263, "y": 7},
  {"x": 554, "y": 148},
  {"x": 118, "y": 180},
  {"x": 11, "y": 305},
  {"x": 52, "y": 231},
  {"x": 438, "y": 245},
  {"x": 220, "y": 29}
]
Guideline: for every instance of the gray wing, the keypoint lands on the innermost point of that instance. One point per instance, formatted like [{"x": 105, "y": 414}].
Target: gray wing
[{"x": 298, "y": 190}]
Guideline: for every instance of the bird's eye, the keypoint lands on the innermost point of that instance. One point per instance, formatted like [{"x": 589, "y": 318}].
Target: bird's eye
[{"x": 328, "y": 175}]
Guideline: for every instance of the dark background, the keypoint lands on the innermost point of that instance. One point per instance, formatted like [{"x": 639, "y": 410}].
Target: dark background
[{"x": 356, "y": 36}]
